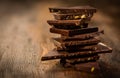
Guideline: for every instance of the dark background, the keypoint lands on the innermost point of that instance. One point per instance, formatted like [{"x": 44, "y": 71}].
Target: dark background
[{"x": 25, "y": 37}]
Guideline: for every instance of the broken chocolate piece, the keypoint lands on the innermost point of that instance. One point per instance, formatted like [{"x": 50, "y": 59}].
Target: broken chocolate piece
[
  {"x": 77, "y": 48},
  {"x": 68, "y": 22},
  {"x": 82, "y": 60},
  {"x": 73, "y": 32},
  {"x": 81, "y": 43},
  {"x": 77, "y": 9},
  {"x": 72, "y": 16},
  {"x": 71, "y": 27},
  {"x": 79, "y": 37}
]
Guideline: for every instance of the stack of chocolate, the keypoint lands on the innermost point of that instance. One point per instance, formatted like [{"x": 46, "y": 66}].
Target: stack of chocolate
[{"x": 79, "y": 45}]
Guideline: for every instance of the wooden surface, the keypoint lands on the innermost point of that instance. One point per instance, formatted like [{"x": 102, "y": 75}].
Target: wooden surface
[{"x": 57, "y": 71}]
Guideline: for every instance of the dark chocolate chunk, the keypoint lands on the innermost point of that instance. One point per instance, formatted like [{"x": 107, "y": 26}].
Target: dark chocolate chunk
[
  {"x": 82, "y": 60},
  {"x": 68, "y": 22},
  {"x": 77, "y": 9},
  {"x": 73, "y": 32}
]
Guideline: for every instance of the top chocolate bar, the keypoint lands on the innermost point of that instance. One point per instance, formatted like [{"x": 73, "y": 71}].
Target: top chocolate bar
[{"x": 77, "y": 9}]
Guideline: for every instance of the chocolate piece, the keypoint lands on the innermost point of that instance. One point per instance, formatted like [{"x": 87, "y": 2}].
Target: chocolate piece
[
  {"x": 68, "y": 22},
  {"x": 77, "y": 48},
  {"x": 81, "y": 43},
  {"x": 67, "y": 39},
  {"x": 57, "y": 55},
  {"x": 79, "y": 37},
  {"x": 73, "y": 32},
  {"x": 73, "y": 61},
  {"x": 72, "y": 16},
  {"x": 71, "y": 27},
  {"x": 82, "y": 60},
  {"x": 77, "y": 9}
]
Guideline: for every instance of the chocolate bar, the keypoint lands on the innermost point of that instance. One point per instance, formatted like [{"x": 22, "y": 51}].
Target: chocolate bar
[
  {"x": 72, "y": 16},
  {"x": 73, "y": 32},
  {"x": 79, "y": 37},
  {"x": 68, "y": 22},
  {"x": 77, "y": 9},
  {"x": 77, "y": 48},
  {"x": 58, "y": 55},
  {"x": 81, "y": 43},
  {"x": 67, "y": 39},
  {"x": 73, "y": 61},
  {"x": 82, "y": 60},
  {"x": 71, "y": 27}
]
